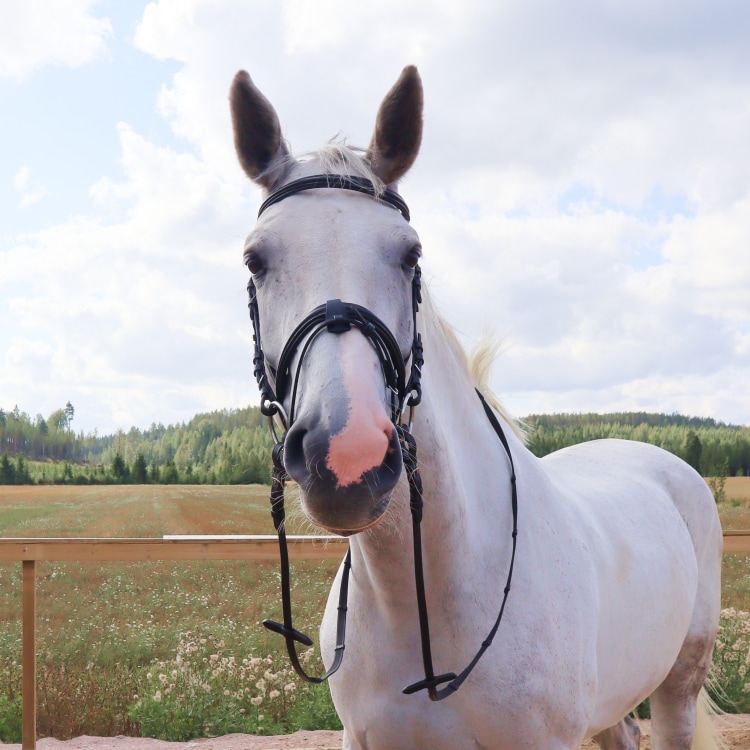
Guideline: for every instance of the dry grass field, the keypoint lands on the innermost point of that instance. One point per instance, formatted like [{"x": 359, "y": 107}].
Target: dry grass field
[
  {"x": 735, "y": 510},
  {"x": 133, "y": 510},
  {"x": 738, "y": 488}
]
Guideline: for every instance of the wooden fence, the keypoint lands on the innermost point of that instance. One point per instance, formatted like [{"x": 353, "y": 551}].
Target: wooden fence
[
  {"x": 176, "y": 548},
  {"x": 29, "y": 551}
]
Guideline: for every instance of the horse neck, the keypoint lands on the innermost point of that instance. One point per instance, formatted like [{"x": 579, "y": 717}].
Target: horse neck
[{"x": 465, "y": 474}]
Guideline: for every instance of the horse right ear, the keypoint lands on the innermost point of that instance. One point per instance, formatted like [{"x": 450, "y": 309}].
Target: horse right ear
[{"x": 257, "y": 132}]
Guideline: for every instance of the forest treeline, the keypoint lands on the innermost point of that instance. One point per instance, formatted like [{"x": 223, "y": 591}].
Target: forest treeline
[
  {"x": 219, "y": 447},
  {"x": 711, "y": 447},
  {"x": 234, "y": 446}
]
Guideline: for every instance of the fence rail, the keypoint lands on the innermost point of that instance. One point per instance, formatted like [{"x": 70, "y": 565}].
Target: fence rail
[{"x": 173, "y": 548}]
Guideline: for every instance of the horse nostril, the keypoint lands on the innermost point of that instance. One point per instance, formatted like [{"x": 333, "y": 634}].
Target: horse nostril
[{"x": 294, "y": 453}]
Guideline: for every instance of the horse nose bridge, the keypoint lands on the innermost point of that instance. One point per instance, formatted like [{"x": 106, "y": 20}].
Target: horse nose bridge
[{"x": 341, "y": 422}]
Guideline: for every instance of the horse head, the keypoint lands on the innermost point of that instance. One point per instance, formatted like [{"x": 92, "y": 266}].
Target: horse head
[{"x": 321, "y": 245}]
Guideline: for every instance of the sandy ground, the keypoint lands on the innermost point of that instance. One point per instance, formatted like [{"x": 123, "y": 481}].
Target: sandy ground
[{"x": 734, "y": 729}]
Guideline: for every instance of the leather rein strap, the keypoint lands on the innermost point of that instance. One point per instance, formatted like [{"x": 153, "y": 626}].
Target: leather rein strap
[
  {"x": 431, "y": 681},
  {"x": 335, "y": 317}
]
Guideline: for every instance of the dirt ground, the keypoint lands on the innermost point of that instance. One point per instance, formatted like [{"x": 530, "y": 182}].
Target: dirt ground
[{"x": 735, "y": 731}]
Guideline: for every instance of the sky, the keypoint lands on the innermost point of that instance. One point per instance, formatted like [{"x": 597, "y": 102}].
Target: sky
[{"x": 583, "y": 192}]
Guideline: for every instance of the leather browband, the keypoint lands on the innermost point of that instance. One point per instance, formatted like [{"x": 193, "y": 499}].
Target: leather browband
[{"x": 338, "y": 181}]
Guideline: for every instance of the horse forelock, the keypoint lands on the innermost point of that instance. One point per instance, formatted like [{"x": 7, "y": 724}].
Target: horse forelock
[
  {"x": 477, "y": 364},
  {"x": 335, "y": 157}
]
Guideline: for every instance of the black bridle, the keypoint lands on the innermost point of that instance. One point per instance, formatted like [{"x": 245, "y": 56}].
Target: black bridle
[{"x": 336, "y": 317}]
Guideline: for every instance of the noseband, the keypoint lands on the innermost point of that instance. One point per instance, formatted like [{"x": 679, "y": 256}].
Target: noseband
[{"x": 337, "y": 317}]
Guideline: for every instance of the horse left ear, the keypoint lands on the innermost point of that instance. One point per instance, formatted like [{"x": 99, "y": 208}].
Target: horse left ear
[
  {"x": 398, "y": 128},
  {"x": 257, "y": 132}
]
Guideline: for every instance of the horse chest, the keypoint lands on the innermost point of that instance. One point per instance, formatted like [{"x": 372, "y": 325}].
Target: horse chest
[{"x": 387, "y": 724}]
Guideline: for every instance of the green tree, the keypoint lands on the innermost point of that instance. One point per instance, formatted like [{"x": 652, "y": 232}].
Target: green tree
[
  {"x": 717, "y": 482},
  {"x": 154, "y": 473},
  {"x": 22, "y": 471},
  {"x": 42, "y": 431},
  {"x": 170, "y": 475},
  {"x": 139, "y": 470},
  {"x": 693, "y": 450},
  {"x": 69, "y": 413},
  {"x": 7, "y": 470},
  {"x": 119, "y": 468}
]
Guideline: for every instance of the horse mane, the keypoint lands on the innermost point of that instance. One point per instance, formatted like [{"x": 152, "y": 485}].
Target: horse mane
[
  {"x": 477, "y": 364},
  {"x": 338, "y": 157}
]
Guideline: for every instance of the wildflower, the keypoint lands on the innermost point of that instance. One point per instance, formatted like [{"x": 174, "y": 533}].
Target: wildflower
[
  {"x": 289, "y": 687},
  {"x": 149, "y": 676},
  {"x": 157, "y": 696},
  {"x": 226, "y": 693},
  {"x": 257, "y": 700},
  {"x": 274, "y": 694},
  {"x": 174, "y": 674}
]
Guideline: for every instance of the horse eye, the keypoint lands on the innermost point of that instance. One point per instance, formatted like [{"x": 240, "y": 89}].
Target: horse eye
[
  {"x": 255, "y": 264},
  {"x": 412, "y": 257}
]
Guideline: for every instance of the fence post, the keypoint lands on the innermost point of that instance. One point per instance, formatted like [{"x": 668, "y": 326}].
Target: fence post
[{"x": 28, "y": 687}]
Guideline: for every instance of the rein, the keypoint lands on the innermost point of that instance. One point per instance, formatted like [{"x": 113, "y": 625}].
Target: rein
[{"x": 336, "y": 317}]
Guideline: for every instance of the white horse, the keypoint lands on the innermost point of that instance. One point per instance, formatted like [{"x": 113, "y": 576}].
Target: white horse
[{"x": 616, "y": 588}]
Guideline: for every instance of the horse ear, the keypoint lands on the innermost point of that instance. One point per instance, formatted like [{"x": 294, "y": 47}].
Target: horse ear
[
  {"x": 257, "y": 132},
  {"x": 398, "y": 128}
]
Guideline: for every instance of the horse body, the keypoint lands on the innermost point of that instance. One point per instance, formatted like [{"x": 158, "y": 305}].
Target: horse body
[
  {"x": 615, "y": 590},
  {"x": 604, "y": 592}
]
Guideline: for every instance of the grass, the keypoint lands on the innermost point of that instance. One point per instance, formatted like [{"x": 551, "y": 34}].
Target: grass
[
  {"x": 104, "y": 628},
  {"x": 735, "y": 514}
]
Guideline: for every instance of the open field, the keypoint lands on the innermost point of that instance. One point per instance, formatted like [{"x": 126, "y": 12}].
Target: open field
[
  {"x": 103, "y": 628},
  {"x": 133, "y": 510},
  {"x": 737, "y": 490}
]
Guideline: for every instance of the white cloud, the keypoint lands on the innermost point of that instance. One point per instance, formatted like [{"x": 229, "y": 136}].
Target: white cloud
[
  {"x": 131, "y": 318},
  {"x": 21, "y": 179},
  {"x": 36, "y": 33},
  {"x": 29, "y": 195}
]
